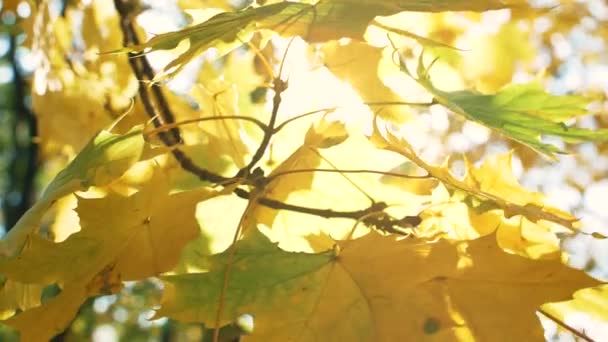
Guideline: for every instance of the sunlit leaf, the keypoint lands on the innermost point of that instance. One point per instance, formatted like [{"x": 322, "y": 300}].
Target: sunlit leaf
[
  {"x": 485, "y": 183},
  {"x": 324, "y": 21},
  {"x": 525, "y": 113},
  {"x": 492, "y": 58},
  {"x": 591, "y": 301},
  {"x": 375, "y": 289},
  {"x": 106, "y": 157},
  {"x": 74, "y": 98},
  {"x": 142, "y": 237},
  {"x": 357, "y": 64}
]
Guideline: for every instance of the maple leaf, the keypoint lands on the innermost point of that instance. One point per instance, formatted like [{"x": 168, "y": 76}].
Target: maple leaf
[
  {"x": 524, "y": 113},
  {"x": 43, "y": 322},
  {"x": 476, "y": 255},
  {"x": 143, "y": 237},
  {"x": 374, "y": 289},
  {"x": 357, "y": 64},
  {"x": 592, "y": 302},
  {"x": 88, "y": 93},
  {"x": 492, "y": 58},
  {"x": 106, "y": 157},
  {"x": 324, "y": 21},
  {"x": 485, "y": 183},
  {"x": 324, "y": 135}
]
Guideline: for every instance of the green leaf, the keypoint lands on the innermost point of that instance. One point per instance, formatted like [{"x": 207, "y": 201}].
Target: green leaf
[
  {"x": 522, "y": 112},
  {"x": 142, "y": 236},
  {"x": 105, "y": 158},
  {"x": 375, "y": 288},
  {"x": 260, "y": 271},
  {"x": 324, "y": 21}
]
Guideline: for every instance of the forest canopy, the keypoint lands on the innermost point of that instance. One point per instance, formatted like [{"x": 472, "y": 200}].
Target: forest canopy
[{"x": 331, "y": 170}]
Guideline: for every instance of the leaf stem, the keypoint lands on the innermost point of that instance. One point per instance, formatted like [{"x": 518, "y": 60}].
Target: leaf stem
[{"x": 229, "y": 263}]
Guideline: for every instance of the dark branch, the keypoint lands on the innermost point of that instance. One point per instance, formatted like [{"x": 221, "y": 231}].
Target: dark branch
[
  {"x": 154, "y": 102},
  {"x": 157, "y": 108},
  {"x": 279, "y": 86},
  {"x": 325, "y": 213}
]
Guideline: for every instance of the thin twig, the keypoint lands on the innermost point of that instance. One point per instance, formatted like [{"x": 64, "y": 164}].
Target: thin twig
[
  {"x": 284, "y": 123},
  {"x": 325, "y": 213},
  {"x": 279, "y": 86},
  {"x": 400, "y": 103},
  {"x": 166, "y": 127},
  {"x": 163, "y": 118},
  {"x": 390, "y": 174},
  {"x": 371, "y": 104},
  {"x": 566, "y": 326}
]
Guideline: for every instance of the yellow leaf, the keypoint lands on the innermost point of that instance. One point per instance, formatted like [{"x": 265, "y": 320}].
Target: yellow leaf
[
  {"x": 15, "y": 295},
  {"x": 143, "y": 236},
  {"x": 357, "y": 64},
  {"x": 88, "y": 93},
  {"x": 492, "y": 59},
  {"x": 492, "y": 183},
  {"x": 495, "y": 176},
  {"x": 149, "y": 228},
  {"x": 65, "y": 219},
  {"x": 376, "y": 289},
  {"x": 220, "y": 98},
  {"x": 43, "y": 322},
  {"x": 591, "y": 301},
  {"x": 306, "y": 157},
  {"x": 106, "y": 157},
  {"x": 454, "y": 220}
]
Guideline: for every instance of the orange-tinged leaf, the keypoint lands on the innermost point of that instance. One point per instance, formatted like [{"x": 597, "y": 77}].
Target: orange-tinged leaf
[
  {"x": 376, "y": 289},
  {"x": 15, "y": 295}
]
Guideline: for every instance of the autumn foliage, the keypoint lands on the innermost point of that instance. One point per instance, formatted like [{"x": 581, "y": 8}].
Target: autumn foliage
[{"x": 272, "y": 167}]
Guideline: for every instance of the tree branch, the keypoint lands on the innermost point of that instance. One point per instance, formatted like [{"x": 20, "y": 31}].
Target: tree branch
[
  {"x": 279, "y": 86},
  {"x": 325, "y": 213},
  {"x": 161, "y": 112},
  {"x": 157, "y": 108}
]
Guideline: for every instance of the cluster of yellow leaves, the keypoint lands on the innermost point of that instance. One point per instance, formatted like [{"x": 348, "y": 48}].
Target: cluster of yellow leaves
[
  {"x": 76, "y": 93},
  {"x": 482, "y": 259}
]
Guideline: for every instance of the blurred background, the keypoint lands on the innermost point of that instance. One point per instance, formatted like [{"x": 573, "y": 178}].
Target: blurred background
[{"x": 565, "y": 49}]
